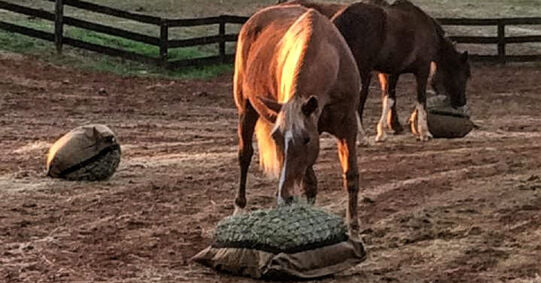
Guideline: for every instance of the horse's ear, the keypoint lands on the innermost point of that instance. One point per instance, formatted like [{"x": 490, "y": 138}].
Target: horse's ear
[
  {"x": 271, "y": 104},
  {"x": 464, "y": 56},
  {"x": 309, "y": 106}
]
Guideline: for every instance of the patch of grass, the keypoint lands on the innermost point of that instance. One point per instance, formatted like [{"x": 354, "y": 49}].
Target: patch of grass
[{"x": 92, "y": 61}]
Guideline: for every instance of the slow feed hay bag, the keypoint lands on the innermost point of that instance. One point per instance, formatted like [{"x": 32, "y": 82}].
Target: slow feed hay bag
[
  {"x": 296, "y": 241},
  {"x": 89, "y": 153},
  {"x": 444, "y": 121}
]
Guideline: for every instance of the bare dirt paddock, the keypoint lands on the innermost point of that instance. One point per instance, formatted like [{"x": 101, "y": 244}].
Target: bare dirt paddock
[{"x": 462, "y": 210}]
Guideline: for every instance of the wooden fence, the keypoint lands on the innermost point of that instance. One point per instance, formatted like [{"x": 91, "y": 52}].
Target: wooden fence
[
  {"x": 165, "y": 44},
  {"x": 501, "y": 40}
]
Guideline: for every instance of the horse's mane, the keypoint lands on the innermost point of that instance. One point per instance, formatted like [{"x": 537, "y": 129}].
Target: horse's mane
[
  {"x": 445, "y": 44},
  {"x": 293, "y": 56}
]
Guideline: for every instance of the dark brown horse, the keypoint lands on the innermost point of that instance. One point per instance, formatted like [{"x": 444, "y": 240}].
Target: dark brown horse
[
  {"x": 327, "y": 9},
  {"x": 295, "y": 77},
  {"x": 396, "y": 39}
]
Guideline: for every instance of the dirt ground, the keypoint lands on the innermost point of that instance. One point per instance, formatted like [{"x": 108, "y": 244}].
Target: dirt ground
[{"x": 447, "y": 210}]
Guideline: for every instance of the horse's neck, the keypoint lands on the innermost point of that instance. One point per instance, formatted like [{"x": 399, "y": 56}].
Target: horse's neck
[{"x": 446, "y": 51}]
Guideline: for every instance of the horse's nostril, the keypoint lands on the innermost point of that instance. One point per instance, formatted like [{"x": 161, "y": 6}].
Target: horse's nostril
[
  {"x": 306, "y": 140},
  {"x": 289, "y": 200}
]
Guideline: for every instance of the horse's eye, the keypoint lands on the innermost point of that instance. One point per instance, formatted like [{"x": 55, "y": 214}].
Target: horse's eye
[{"x": 306, "y": 140}]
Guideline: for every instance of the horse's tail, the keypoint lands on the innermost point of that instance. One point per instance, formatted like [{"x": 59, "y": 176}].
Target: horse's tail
[{"x": 270, "y": 159}]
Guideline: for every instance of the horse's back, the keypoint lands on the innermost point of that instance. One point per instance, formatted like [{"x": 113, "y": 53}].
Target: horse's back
[
  {"x": 326, "y": 9},
  {"x": 363, "y": 27},
  {"x": 283, "y": 47}
]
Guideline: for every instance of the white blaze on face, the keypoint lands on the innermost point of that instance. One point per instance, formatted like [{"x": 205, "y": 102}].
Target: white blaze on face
[
  {"x": 288, "y": 137},
  {"x": 424, "y": 132},
  {"x": 386, "y": 111}
]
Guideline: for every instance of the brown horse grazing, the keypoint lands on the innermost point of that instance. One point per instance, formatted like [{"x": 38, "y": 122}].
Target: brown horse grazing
[
  {"x": 396, "y": 39},
  {"x": 295, "y": 77}
]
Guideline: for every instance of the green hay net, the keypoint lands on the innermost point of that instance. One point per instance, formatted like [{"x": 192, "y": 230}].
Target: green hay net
[{"x": 289, "y": 229}]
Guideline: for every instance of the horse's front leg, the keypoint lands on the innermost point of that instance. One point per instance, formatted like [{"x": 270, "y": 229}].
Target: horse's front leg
[
  {"x": 393, "y": 122},
  {"x": 387, "y": 103},
  {"x": 310, "y": 185},
  {"x": 422, "y": 117},
  {"x": 247, "y": 121},
  {"x": 389, "y": 116},
  {"x": 348, "y": 161}
]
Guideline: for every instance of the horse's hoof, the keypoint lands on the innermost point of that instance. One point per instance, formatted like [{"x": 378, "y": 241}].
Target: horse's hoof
[
  {"x": 238, "y": 211},
  {"x": 381, "y": 138},
  {"x": 354, "y": 233},
  {"x": 425, "y": 138},
  {"x": 365, "y": 141},
  {"x": 398, "y": 130}
]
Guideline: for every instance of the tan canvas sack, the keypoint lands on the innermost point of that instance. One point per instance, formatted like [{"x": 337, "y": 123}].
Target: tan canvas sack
[
  {"x": 443, "y": 120},
  {"x": 88, "y": 152},
  {"x": 287, "y": 242}
]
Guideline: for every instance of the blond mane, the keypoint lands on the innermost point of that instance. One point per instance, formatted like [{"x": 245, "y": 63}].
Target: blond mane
[{"x": 294, "y": 47}]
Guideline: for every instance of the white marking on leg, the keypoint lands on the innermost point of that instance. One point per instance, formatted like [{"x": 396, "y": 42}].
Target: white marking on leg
[
  {"x": 381, "y": 124},
  {"x": 238, "y": 210},
  {"x": 390, "y": 114},
  {"x": 362, "y": 137},
  {"x": 413, "y": 123},
  {"x": 422, "y": 126},
  {"x": 433, "y": 69}
]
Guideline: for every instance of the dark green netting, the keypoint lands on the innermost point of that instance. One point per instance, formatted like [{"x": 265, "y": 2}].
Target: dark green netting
[
  {"x": 290, "y": 229},
  {"x": 99, "y": 167}
]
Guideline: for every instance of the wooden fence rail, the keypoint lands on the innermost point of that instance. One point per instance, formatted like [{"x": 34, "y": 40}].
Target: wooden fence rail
[
  {"x": 500, "y": 39},
  {"x": 165, "y": 44}
]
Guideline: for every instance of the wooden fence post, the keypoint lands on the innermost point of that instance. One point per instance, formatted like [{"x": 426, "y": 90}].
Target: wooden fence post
[
  {"x": 222, "y": 39},
  {"x": 164, "y": 42},
  {"x": 501, "y": 41},
  {"x": 59, "y": 25}
]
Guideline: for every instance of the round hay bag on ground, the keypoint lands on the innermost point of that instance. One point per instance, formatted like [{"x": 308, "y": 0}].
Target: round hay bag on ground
[
  {"x": 443, "y": 120},
  {"x": 86, "y": 153},
  {"x": 296, "y": 241}
]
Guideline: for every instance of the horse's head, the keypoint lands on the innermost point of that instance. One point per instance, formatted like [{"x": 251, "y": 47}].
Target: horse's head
[
  {"x": 451, "y": 77},
  {"x": 297, "y": 138}
]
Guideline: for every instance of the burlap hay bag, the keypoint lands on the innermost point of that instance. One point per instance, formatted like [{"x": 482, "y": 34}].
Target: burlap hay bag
[
  {"x": 296, "y": 241},
  {"x": 443, "y": 120},
  {"x": 86, "y": 153}
]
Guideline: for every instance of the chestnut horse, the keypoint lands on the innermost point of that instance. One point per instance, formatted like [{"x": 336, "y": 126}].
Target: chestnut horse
[
  {"x": 295, "y": 77},
  {"x": 396, "y": 39}
]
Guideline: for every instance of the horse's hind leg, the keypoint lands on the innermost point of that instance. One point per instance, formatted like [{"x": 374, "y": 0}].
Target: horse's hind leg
[
  {"x": 365, "y": 78},
  {"x": 348, "y": 161},
  {"x": 387, "y": 104},
  {"x": 310, "y": 185},
  {"x": 392, "y": 119},
  {"x": 247, "y": 121},
  {"x": 421, "y": 77}
]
